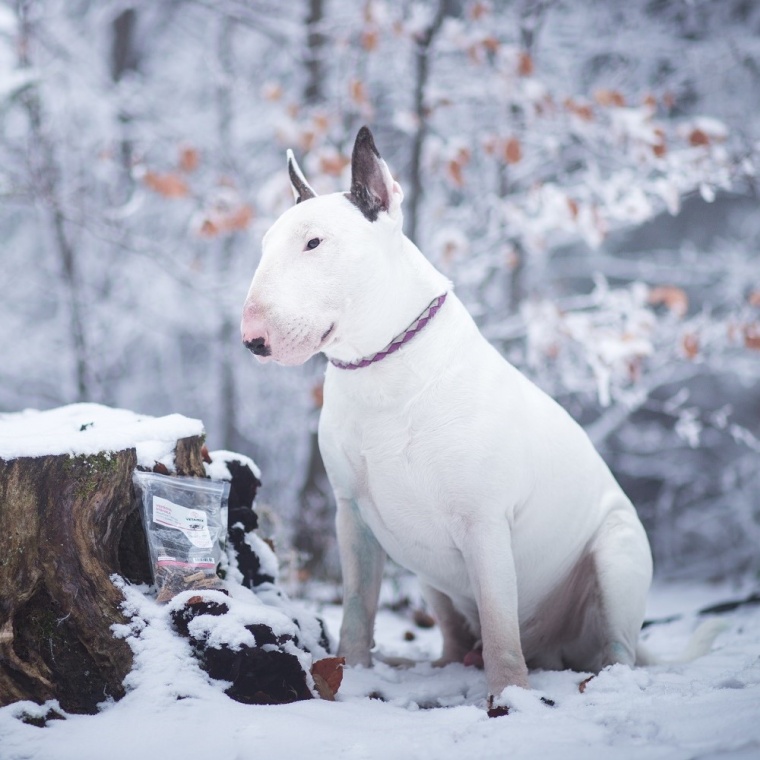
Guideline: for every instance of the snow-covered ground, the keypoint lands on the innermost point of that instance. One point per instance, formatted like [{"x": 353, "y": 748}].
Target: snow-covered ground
[{"x": 708, "y": 708}]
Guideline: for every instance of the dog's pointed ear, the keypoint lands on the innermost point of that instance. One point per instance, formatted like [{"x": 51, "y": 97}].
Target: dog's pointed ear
[
  {"x": 302, "y": 191},
  {"x": 372, "y": 188}
]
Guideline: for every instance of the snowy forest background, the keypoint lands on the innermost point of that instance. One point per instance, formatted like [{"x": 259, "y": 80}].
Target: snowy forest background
[{"x": 584, "y": 171}]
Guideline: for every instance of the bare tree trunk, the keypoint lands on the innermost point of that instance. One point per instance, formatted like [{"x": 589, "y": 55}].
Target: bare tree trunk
[
  {"x": 424, "y": 42},
  {"x": 45, "y": 173},
  {"x": 227, "y": 336},
  {"x": 125, "y": 58},
  {"x": 315, "y": 41},
  {"x": 532, "y": 16}
]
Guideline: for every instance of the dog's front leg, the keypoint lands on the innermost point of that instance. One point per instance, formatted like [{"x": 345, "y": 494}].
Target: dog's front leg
[
  {"x": 487, "y": 551},
  {"x": 362, "y": 560}
]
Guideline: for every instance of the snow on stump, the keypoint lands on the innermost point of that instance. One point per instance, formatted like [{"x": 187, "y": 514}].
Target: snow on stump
[{"x": 70, "y": 523}]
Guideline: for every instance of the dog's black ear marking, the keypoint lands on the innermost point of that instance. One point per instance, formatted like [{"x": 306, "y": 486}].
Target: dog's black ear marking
[
  {"x": 369, "y": 191},
  {"x": 301, "y": 189}
]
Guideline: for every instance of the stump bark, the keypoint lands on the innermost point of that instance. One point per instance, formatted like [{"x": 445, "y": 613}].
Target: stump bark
[{"x": 67, "y": 523}]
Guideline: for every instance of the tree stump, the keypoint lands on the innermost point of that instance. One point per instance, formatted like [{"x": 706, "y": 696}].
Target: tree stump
[
  {"x": 67, "y": 524},
  {"x": 70, "y": 523}
]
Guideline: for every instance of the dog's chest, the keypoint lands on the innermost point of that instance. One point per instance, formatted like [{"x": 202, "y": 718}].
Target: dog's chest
[{"x": 399, "y": 472}]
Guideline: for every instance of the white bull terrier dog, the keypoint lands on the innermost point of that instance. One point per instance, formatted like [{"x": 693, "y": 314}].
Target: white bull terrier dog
[{"x": 441, "y": 454}]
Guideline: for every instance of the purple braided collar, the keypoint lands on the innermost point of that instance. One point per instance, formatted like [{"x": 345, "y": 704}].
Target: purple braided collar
[{"x": 399, "y": 340}]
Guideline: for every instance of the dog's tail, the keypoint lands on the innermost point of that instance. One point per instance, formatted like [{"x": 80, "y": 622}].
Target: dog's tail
[{"x": 699, "y": 645}]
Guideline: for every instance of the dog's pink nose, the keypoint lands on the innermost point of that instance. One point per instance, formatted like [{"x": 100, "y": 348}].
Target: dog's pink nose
[{"x": 255, "y": 335}]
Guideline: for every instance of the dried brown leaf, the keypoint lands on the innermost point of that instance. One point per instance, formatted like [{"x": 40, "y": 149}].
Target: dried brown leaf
[
  {"x": 477, "y": 10},
  {"x": 581, "y": 110},
  {"x": 169, "y": 185},
  {"x": 583, "y": 684},
  {"x": 751, "y": 334},
  {"x": 333, "y": 164},
  {"x": 690, "y": 345},
  {"x": 609, "y": 98},
  {"x": 370, "y": 40},
  {"x": 189, "y": 159},
  {"x": 698, "y": 137},
  {"x": 525, "y": 64},
  {"x": 328, "y": 676},
  {"x": 673, "y": 298},
  {"x": 512, "y": 150}
]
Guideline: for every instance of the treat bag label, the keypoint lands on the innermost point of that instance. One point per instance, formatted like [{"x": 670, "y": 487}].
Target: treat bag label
[{"x": 192, "y": 522}]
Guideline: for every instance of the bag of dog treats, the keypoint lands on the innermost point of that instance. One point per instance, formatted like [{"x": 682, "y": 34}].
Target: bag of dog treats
[{"x": 186, "y": 527}]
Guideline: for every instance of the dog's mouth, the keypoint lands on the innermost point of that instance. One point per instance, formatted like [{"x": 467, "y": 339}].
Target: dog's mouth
[{"x": 326, "y": 336}]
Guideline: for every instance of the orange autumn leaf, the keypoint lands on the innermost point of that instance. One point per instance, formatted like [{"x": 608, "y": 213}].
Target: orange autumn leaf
[
  {"x": 491, "y": 44},
  {"x": 208, "y": 228},
  {"x": 333, "y": 164},
  {"x": 318, "y": 395},
  {"x": 754, "y": 298},
  {"x": 455, "y": 165},
  {"x": 512, "y": 150},
  {"x": 583, "y": 684},
  {"x": 306, "y": 140},
  {"x": 328, "y": 676},
  {"x": 218, "y": 221},
  {"x": 524, "y": 64},
  {"x": 650, "y": 101},
  {"x": 370, "y": 39},
  {"x": 357, "y": 91},
  {"x": 751, "y": 334},
  {"x": 659, "y": 148},
  {"x": 272, "y": 91},
  {"x": 690, "y": 345},
  {"x": 581, "y": 110},
  {"x": 189, "y": 159},
  {"x": 169, "y": 185},
  {"x": 698, "y": 137},
  {"x": 572, "y": 204},
  {"x": 455, "y": 173},
  {"x": 238, "y": 219},
  {"x": 321, "y": 122},
  {"x": 673, "y": 298},
  {"x": 609, "y": 98},
  {"x": 477, "y": 10}
]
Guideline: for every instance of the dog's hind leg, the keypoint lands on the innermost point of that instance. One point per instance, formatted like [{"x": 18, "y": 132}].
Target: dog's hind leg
[
  {"x": 458, "y": 638},
  {"x": 623, "y": 566}
]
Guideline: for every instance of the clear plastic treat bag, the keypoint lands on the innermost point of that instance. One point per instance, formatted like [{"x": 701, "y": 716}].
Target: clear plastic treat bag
[{"x": 185, "y": 523}]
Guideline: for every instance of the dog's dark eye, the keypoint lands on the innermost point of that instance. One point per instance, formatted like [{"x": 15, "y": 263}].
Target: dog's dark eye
[{"x": 312, "y": 244}]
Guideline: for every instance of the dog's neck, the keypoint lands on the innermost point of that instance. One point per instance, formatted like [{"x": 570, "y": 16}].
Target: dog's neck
[
  {"x": 400, "y": 340},
  {"x": 399, "y": 291}
]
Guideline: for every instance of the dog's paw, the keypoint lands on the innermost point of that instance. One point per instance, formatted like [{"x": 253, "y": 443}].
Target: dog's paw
[
  {"x": 518, "y": 699},
  {"x": 355, "y": 658}
]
